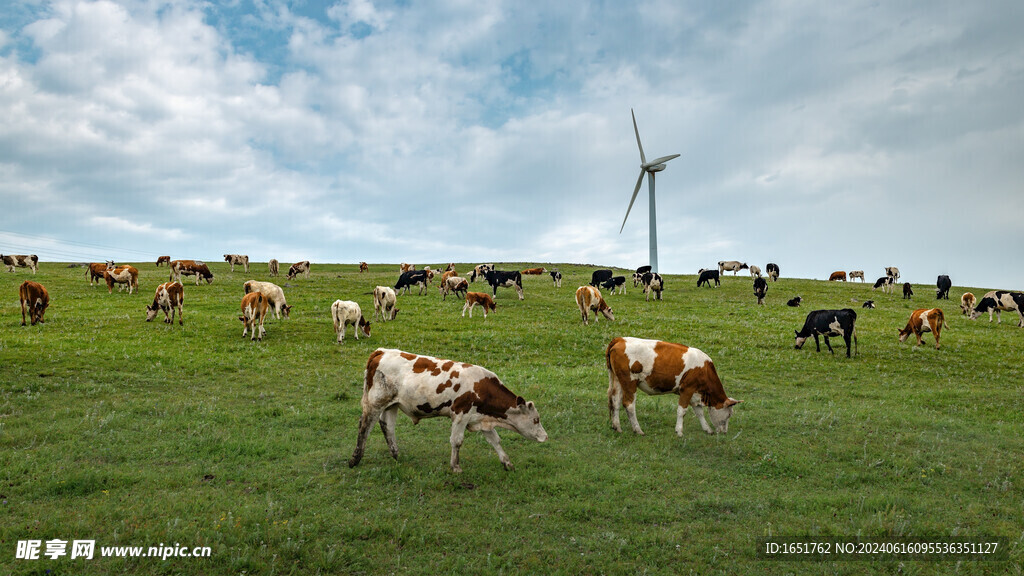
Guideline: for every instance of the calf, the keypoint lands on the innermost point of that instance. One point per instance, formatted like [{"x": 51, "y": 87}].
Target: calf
[
  {"x": 639, "y": 273},
  {"x": 454, "y": 284},
  {"x": 254, "y": 312},
  {"x": 828, "y": 323},
  {"x": 426, "y": 387},
  {"x": 921, "y": 321},
  {"x": 618, "y": 282},
  {"x": 665, "y": 368},
  {"x": 534, "y": 271},
  {"x": 345, "y": 312},
  {"x": 886, "y": 283},
  {"x": 869, "y": 304},
  {"x": 755, "y": 271},
  {"x": 773, "y": 271},
  {"x": 20, "y": 260},
  {"x": 122, "y": 275},
  {"x": 484, "y": 300},
  {"x": 967, "y": 303},
  {"x": 908, "y": 290},
  {"x": 589, "y": 298},
  {"x": 298, "y": 268},
  {"x": 652, "y": 282},
  {"x": 364, "y": 267},
  {"x": 169, "y": 297},
  {"x": 837, "y": 276},
  {"x": 274, "y": 267},
  {"x": 496, "y": 278},
  {"x": 706, "y": 276},
  {"x": 760, "y": 289},
  {"x": 599, "y": 276},
  {"x": 942, "y": 286},
  {"x": 413, "y": 278},
  {"x": 998, "y": 301},
  {"x": 196, "y": 268},
  {"x": 893, "y": 272},
  {"x": 856, "y": 274},
  {"x": 384, "y": 303},
  {"x": 240, "y": 259},
  {"x": 556, "y": 278},
  {"x": 273, "y": 294},
  {"x": 731, "y": 265},
  {"x": 794, "y": 302},
  {"x": 95, "y": 271},
  {"x": 480, "y": 270},
  {"x": 34, "y": 300},
  {"x": 163, "y": 260}
]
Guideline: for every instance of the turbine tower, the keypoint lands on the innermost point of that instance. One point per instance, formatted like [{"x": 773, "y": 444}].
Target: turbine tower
[{"x": 648, "y": 168}]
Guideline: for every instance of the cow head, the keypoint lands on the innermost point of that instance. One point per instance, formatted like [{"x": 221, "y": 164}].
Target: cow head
[
  {"x": 394, "y": 313},
  {"x": 286, "y": 309},
  {"x": 607, "y": 312},
  {"x": 525, "y": 419},
  {"x": 364, "y": 326},
  {"x": 904, "y": 334},
  {"x": 799, "y": 340},
  {"x": 151, "y": 312},
  {"x": 720, "y": 416}
]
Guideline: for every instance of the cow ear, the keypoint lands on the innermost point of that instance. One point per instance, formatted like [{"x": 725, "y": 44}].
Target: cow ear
[
  {"x": 520, "y": 401},
  {"x": 732, "y": 402}
]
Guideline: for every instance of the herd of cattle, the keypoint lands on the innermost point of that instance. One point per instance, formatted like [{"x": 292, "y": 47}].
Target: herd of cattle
[{"x": 473, "y": 397}]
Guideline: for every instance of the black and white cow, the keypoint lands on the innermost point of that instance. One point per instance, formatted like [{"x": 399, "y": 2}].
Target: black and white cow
[
  {"x": 886, "y": 283},
  {"x": 413, "y": 278},
  {"x": 760, "y": 289},
  {"x": 618, "y": 282},
  {"x": 639, "y": 273},
  {"x": 829, "y": 323},
  {"x": 706, "y": 276},
  {"x": 556, "y": 278},
  {"x": 942, "y": 286},
  {"x": 600, "y": 276},
  {"x": 772, "y": 269},
  {"x": 480, "y": 270},
  {"x": 998, "y": 301},
  {"x": 513, "y": 279},
  {"x": 794, "y": 302},
  {"x": 652, "y": 282}
]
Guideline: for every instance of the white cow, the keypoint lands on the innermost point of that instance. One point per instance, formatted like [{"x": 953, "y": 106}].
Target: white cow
[
  {"x": 384, "y": 300},
  {"x": 274, "y": 295},
  {"x": 345, "y": 312}
]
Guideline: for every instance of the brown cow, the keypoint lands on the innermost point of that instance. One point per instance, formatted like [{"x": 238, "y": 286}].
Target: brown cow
[
  {"x": 163, "y": 260},
  {"x": 924, "y": 320},
  {"x": 838, "y": 276},
  {"x": 168, "y": 297},
  {"x": 484, "y": 300},
  {"x": 196, "y": 268},
  {"x": 34, "y": 300},
  {"x": 254, "y": 312},
  {"x": 534, "y": 271},
  {"x": 363, "y": 267},
  {"x": 96, "y": 270},
  {"x": 589, "y": 298},
  {"x": 122, "y": 275}
]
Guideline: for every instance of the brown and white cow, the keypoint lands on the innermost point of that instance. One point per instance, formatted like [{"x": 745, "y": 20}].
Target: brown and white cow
[
  {"x": 924, "y": 320},
  {"x": 34, "y": 300},
  {"x": 196, "y": 268},
  {"x": 240, "y": 259},
  {"x": 484, "y": 300},
  {"x": 345, "y": 312},
  {"x": 534, "y": 271},
  {"x": 96, "y": 270},
  {"x": 273, "y": 293},
  {"x": 449, "y": 267},
  {"x": 128, "y": 275},
  {"x": 384, "y": 300},
  {"x": 254, "y": 312},
  {"x": 856, "y": 274},
  {"x": 298, "y": 268},
  {"x": 404, "y": 267},
  {"x": 448, "y": 274},
  {"x": 169, "y": 296},
  {"x": 364, "y": 267},
  {"x": 837, "y": 276},
  {"x": 163, "y": 260},
  {"x": 21, "y": 261},
  {"x": 658, "y": 367},
  {"x": 731, "y": 265},
  {"x": 274, "y": 266},
  {"x": 453, "y": 284},
  {"x": 589, "y": 298},
  {"x": 967, "y": 303},
  {"x": 426, "y": 387}
]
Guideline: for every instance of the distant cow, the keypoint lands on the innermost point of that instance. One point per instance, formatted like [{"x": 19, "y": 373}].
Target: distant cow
[
  {"x": 34, "y": 300},
  {"x": 599, "y": 276},
  {"x": 942, "y": 286},
  {"x": 828, "y": 323},
  {"x": 886, "y": 283},
  {"x": 95, "y": 271},
  {"x": 413, "y": 278},
  {"x": 274, "y": 267},
  {"x": 652, "y": 282},
  {"x": 128, "y": 275},
  {"x": 254, "y": 312},
  {"x": 479, "y": 271},
  {"x": 240, "y": 259},
  {"x": 837, "y": 276},
  {"x": 20, "y": 260},
  {"x": 618, "y": 282},
  {"x": 772, "y": 270},
  {"x": 856, "y": 274},
  {"x": 556, "y": 278},
  {"x": 534, "y": 271},
  {"x": 733, "y": 266},
  {"x": 639, "y": 273},
  {"x": 999, "y": 301},
  {"x": 794, "y": 302},
  {"x": 426, "y": 387},
  {"x": 345, "y": 312},
  {"x": 404, "y": 267},
  {"x": 498, "y": 278},
  {"x": 665, "y": 368},
  {"x": 755, "y": 271},
  {"x": 869, "y": 304},
  {"x": 298, "y": 268},
  {"x": 453, "y": 284},
  {"x": 169, "y": 297},
  {"x": 384, "y": 301},
  {"x": 163, "y": 260},
  {"x": 967, "y": 303},
  {"x": 273, "y": 294},
  {"x": 908, "y": 290},
  {"x": 196, "y": 268},
  {"x": 589, "y": 298},
  {"x": 706, "y": 276},
  {"x": 484, "y": 300},
  {"x": 760, "y": 289},
  {"x": 922, "y": 321},
  {"x": 363, "y": 267},
  {"x": 893, "y": 272}
]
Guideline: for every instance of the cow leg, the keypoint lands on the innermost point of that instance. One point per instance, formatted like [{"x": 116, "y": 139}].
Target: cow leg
[
  {"x": 519, "y": 290},
  {"x": 830, "y": 345},
  {"x": 23, "y": 313},
  {"x": 629, "y": 401},
  {"x": 817, "y": 344},
  {"x": 919, "y": 340},
  {"x": 458, "y": 435},
  {"x": 492, "y": 438},
  {"x": 465, "y": 307},
  {"x": 365, "y": 422},
  {"x": 387, "y": 426}
]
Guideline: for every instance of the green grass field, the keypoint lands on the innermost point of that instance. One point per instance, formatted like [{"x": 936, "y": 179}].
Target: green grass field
[{"x": 139, "y": 434}]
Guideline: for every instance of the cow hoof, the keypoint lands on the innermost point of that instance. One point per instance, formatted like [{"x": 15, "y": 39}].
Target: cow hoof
[
  {"x": 509, "y": 467},
  {"x": 456, "y": 469}
]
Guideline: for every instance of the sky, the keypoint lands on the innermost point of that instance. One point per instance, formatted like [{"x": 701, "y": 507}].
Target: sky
[{"x": 820, "y": 136}]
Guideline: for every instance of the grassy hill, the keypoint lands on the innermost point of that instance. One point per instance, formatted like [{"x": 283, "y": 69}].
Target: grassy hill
[{"x": 138, "y": 434}]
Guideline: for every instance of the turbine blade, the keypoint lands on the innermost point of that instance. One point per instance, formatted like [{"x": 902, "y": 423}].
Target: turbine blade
[
  {"x": 636, "y": 190},
  {"x": 643, "y": 159},
  {"x": 661, "y": 160}
]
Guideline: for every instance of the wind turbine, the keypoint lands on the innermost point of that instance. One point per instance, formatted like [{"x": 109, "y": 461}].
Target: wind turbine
[{"x": 648, "y": 168}]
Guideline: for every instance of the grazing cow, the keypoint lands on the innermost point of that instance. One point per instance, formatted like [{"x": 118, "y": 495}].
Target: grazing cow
[
  {"x": 169, "y": 296},
  {"x": 921, "y": 321},
  {"x": 589, "y": 298},
  {"x": 298, "y": 268},
  {"x": 96, "y": 270},
  {"x": 240, "y": 259},
  {"x": 755, "y": 271},
  {"x": 837, "y": 276},
  {"x": 403, "y": 268},
  {"x": 773, "y": 271},
  {"x": 413, "y": 278},
  {"x": 794, "y": 302},
  {"x": 942, "y": 286},
  {"x": 272, "y": 293},
  {"x": 856, "y": 274},
  {"x": 20, "y": 260},
  {"x": 639, "y": 273},
  {"x": 893, "y": 272},
  {"x": 345, "y": 312},
  {"x": 665, "y": 368},
  {"x": 828, "y": 323},
  {"x": 600, "y": 276},
  {"x": 480, "y": 270},
  {"x": 731, "y": 265},
  {"x": 496, "y": 278},
  {"x": 483, "y": 299},
  {"x": 34, "y": 300},
  {"x": 613, "y": 283},
  {"x": 448, "y": 274},
  {"x": 449, "y": 267},
  {"x": 998, "y": 301},
  {"x": 426, "y": 387},
  {"x": 364, "y": 267},
  {"x": 652, "y": 282},
  {"x": 886, "y": 283},
  {"x": 908, "y": 290},
  {"x": 534, "y": 271},
  {"x": 760, "y": 289},
  {"x": 556, "y": 278},
  {"x": 967, "y": 303},
  {"x": 196, "y": 268},
  {"x": 274, "y": 267},
  {"x": 254, "y": 312},
  {"x": 384, "y": 300},
  {"x": 706, "y": 276},
  {"x": 163, "y": 260},
  {"x": 453, "y": 284},
  {"x": 122, "y": 275},
  {"x": 869, "y": 304}
]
